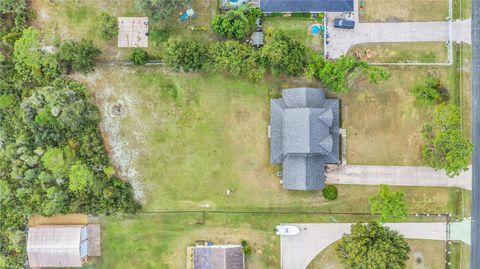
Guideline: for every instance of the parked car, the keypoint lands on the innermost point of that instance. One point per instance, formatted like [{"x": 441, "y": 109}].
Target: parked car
[
  {"x": 287, "y": 230},
  {"x": 343, "y": 23}
]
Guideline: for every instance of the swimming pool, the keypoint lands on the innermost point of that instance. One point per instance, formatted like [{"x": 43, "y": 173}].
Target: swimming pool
[{"x": 315, "y": 29}]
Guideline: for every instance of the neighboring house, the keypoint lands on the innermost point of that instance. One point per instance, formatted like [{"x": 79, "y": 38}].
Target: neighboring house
[
  {"x": 62, "y": 245},
  {"x": 218, "y": 257},
  {"x": 305, "y": 6},
  {"x": 304, "y": 136}
]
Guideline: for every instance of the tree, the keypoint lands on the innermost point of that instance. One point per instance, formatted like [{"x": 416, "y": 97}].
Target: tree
[
  {"x": 389, "y": 204},
  {"x": 76, "y": 56},
  {"x": 157, "y": 9},
  {"x": 237, "y": 23},
  {"x": 186, "y": 56},
  {"x": 80, "y": 177},
  {"x": 430, "y": 91},
  {"x": 444, "y": 145},
  {"x": 108, "y": 26},
  {"x": 284, "y": 54},
  {"x": 373, "y": 246},
  {"x": 58, "y": 160},
  {"x": 330, "y": 192},
  {"x": 336, "y": 74},
  {"x": 30, "y": 62},
  {"x": 139, "y": 56},
  {"x": 237, "y": 59}
]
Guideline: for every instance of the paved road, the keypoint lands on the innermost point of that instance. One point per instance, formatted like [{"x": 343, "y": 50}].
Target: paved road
[
  {"x": 342, "y": 39},
  {"x": 395, "y": 175},
  {"x": 475, "y": 238},
  {"x": 299, "y": 250}
]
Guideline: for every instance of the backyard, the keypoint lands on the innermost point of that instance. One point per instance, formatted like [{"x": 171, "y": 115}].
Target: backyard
[{"x": 78, "y": 19}]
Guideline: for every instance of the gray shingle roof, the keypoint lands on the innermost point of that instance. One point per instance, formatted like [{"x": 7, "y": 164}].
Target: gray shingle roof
[
  {"x": 313, "y": 6},
  {"x": 304, "y": 136},
  {"x": 218, "y": 257}
]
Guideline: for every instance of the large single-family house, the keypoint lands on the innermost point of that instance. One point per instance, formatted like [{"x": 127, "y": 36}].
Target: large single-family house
[
  {"x": 305, "y": 6},
  {"x": 304, "y": 136}
]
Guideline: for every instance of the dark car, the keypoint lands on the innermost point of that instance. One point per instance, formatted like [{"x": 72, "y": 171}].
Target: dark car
[{"x": 342, "y": 23}]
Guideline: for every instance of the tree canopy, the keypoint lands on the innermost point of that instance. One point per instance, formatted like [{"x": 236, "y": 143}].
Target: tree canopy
[
  {"x": 236, "y": 23},
  {"x": 444, "y": 145},
  {"x": 389, "y": 204},
  {"x": 430, "y": 91},
  {"x": 77, "y": 56},
  {"x": 373, "y": 246},
  {"x": 285, "y": 54},
  {"x": 186, "y": 56}
]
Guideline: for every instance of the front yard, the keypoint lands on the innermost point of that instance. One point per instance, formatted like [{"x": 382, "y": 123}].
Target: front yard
[{"x": 401, "y": 11}]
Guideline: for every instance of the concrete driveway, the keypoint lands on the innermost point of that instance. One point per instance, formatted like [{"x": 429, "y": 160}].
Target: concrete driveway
[
  {"x": 298, "y": 251},
  {"x": 341, "y": 40},
  {"x": 395, "y": 175}
]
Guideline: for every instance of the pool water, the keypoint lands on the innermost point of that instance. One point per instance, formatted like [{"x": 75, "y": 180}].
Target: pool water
[{"x": 315, "y": 29}]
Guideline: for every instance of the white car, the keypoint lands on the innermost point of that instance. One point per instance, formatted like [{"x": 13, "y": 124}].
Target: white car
[{"x": 287, "y": 230}]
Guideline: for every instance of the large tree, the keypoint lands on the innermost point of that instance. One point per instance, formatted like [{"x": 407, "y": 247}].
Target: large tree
[
  {"x": 285, "y": 55},
  {"x": 444, "y": 145},
  {"x": 430, "y": 91},
  {"x": 389, "y": 204},
  {"x": 77, "y": 56},
  {"x": 236, "y": 23},
  {"x": 186, "y": 55},
  {"x": 372, "y": 246}
]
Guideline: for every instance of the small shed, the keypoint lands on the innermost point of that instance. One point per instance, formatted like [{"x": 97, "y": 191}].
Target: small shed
[
  {"x": 257, "y": 38},
  {"x": 218, "y": 257},
  {"x": 132, "y": 32},
  {"x": 61, "y": 245}
]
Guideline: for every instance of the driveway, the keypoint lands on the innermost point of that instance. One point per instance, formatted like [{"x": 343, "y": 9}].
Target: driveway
[
  {"x": 341, "y": 40},
  {"x": 298, "y": 251},
  {"x": 395, "y": 175}
]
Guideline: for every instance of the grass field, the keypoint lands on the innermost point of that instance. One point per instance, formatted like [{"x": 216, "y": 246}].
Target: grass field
[
  {"x": 297, "y": 28},
  {"x": 195, "y": 136},
  {"x": 424, "y": 254},
  {"x": 409, "y": 10},
  {"x": 419, "y": 52},
  {"x": 77, "y": 19},
  {"x": 160, "y": 240}
]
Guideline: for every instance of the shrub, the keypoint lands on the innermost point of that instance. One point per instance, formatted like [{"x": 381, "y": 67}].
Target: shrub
[
  {"x": 430, "y": 91},
  {"x": 236, "y": 23},
  {"x": 76, "y": 56},
  {"x": 247, "y": 250},
  {"x": 186, "y": 55},
  {"x": 330, "y": 192},
  {"x": 139, "y": 56},
  {"x": 389, "y": 204},
  {"x": 108, "y": 26}
]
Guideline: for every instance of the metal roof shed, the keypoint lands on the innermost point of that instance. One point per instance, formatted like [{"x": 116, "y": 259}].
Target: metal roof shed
[{"x": 57, "y": 245}]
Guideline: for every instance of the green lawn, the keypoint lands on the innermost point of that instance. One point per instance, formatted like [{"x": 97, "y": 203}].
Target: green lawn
[
  {"x": 462, "y": 9},
  {"x": 297, "y": 28},
  {"x": 460, "y": 256},
  {"x": 160, "y": 240},
  {"x": 424, "y": 254},
  {"x": 77, "y": 19},
  {"x": 199, "y": 135},
  {"x": 419, "y": 52},
  {"x": 409, "y": 10}
]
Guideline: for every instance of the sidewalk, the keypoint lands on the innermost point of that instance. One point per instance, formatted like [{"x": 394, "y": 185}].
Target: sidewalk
[{"x": 396, "y": 176}]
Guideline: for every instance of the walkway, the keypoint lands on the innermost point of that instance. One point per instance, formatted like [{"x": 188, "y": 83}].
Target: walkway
[
  {"x": 342, "y": 39},
  {"x": 460, "y": 231},
  {"x": 299, "y": 250},
  {"x": 395, "y": 175}
]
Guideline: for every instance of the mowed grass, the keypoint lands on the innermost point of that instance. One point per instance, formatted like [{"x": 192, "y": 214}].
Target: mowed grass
[
  {"x": 200, "y": 135},
  {"x": 400, "y": 11},
  {"x": 423, "y": 254},
  {"x": 160, "y": 240},
  {"x": 419, "y": 52},
  {"x": 297, "y": 28},
  {"x": 71, "y": 19}
]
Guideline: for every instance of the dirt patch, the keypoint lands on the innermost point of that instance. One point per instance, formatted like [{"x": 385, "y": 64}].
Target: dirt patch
[{"x": 68, "y": 219}]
